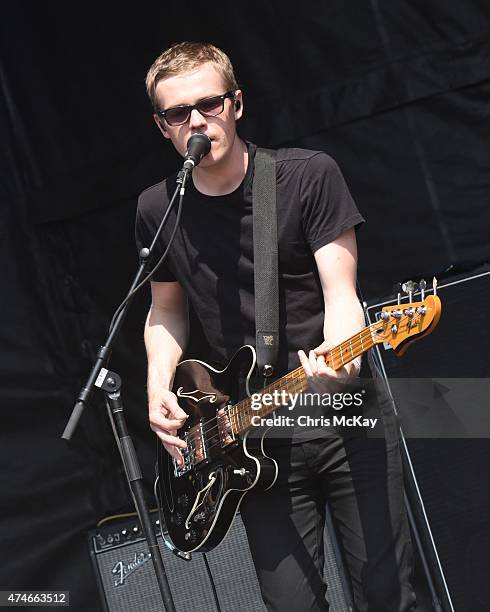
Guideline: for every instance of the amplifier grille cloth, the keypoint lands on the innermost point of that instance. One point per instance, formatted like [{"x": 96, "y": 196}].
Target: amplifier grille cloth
[{"x": 128, "y": 564}]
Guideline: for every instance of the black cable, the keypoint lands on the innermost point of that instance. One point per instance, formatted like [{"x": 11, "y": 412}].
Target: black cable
[
  {"x": 159, "y": 262},
  {"x": 213, "y": 586}
]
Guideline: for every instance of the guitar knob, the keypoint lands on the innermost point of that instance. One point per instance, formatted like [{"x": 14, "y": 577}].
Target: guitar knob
[
  {"x": 183, "y": 500},
  {"x": 200, "y": 517},
  {"x": 177, "y": 518},
  {"x": 394, "y": 329},
  {"x": 191, "y": 536}
]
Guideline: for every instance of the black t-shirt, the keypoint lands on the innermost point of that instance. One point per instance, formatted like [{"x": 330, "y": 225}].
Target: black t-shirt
[{"x": 212, "y": 254}]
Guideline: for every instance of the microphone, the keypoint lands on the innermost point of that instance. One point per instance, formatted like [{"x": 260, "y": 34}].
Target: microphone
[{"x": 198, "y": 146}]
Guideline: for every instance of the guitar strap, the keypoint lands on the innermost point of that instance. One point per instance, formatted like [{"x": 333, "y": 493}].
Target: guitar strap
[{"x": 266, "y": 275}]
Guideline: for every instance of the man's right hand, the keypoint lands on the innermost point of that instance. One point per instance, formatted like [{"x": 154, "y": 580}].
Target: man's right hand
[{"x": 166, "y": 418}]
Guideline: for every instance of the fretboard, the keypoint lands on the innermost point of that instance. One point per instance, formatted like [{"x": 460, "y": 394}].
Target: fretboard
[{"x": 296, "y": 381}]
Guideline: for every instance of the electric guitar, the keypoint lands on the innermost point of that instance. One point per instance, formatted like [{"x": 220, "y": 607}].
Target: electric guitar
[{"x": 198, "y": 500}]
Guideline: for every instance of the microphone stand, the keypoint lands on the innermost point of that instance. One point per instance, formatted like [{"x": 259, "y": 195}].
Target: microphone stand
[{"x": 110, "y": 383}]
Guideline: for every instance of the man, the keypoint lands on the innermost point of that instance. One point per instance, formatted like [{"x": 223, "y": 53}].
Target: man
[{"x": 193, "y": 89}]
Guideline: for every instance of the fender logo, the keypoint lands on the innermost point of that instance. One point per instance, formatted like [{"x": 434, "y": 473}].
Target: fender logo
[
  {"x": 197, "y": 395},
  {"x": 122, "y": 570}
]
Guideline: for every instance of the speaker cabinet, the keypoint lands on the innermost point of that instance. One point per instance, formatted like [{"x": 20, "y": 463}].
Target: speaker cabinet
[
  {"x": 440, "y": 389},
  {"x": 127, "y": 581}
]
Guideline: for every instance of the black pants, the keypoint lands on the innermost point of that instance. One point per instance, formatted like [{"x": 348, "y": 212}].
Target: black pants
[{"x": 362, "y": 480}]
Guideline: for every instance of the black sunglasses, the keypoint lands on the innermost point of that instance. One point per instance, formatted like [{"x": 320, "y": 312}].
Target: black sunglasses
[{"x": 209, "y": 107}]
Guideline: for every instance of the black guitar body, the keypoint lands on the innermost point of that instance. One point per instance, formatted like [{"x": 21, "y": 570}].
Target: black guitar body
[{"x": 199, "y": 501}]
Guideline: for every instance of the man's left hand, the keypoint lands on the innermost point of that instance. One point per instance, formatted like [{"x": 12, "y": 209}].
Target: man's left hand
[{"x": 315, "y": 365}]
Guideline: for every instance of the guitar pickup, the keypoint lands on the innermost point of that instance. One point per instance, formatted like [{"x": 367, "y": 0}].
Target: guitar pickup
[
  {"x": 225, "y": 427},
  {"x": 200, "y": 444}
]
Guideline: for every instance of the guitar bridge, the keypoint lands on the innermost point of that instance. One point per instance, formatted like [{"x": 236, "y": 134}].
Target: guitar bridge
[{"x": 188, "y": 454}]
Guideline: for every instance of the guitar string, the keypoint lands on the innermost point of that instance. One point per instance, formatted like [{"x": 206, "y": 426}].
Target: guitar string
[
  {"x": 293, "y": 378},
  {"x": 297, "y": 380},
  {"x": 206, "y": 448},
  {"x": 227, "y": 416},
  {"x": 298, "y": 373}
]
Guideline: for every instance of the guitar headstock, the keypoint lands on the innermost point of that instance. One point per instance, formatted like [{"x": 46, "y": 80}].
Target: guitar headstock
[{"x": 401, "y": 324}]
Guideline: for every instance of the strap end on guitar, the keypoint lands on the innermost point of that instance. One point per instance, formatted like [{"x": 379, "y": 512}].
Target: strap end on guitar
[{"x": 267, "y": 345}]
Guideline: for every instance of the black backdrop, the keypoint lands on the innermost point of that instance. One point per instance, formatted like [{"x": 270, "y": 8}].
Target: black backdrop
[{"x": 397, "y": 92}]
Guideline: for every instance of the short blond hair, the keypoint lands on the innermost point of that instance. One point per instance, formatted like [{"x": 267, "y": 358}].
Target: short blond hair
[{"x": 183, "y": 57}]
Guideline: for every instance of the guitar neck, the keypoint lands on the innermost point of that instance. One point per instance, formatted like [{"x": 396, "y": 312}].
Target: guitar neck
[{"x": 296, "y": 381}]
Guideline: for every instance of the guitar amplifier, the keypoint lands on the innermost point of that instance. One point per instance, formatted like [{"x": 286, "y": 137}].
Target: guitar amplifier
[
  {"x": 127, "y": 580},
  {"x": 223, "y": 580},
  {"x": 440, "y": 389}
]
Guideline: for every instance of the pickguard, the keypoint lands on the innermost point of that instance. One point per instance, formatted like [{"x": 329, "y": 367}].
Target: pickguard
[{"x": 200, "y": 498}]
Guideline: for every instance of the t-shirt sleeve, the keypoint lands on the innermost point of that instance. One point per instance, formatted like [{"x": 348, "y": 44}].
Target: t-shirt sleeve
[
  {"x": 145, "y": 228},
  {"x": 327, "y": 205}
]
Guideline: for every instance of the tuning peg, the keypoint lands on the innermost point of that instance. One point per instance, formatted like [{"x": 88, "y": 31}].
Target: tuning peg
[
  {"x": 409, "y": 287},
  {"x": 397, "y": 289},
  {"x": 434, "y": 285},
  {"x": 422, "y": 286}
]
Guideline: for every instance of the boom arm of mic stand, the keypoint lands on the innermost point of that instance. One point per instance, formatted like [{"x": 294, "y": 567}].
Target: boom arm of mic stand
[
  {"x": 110, "y": 382},
  {"x": 103, "y": 353}
]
